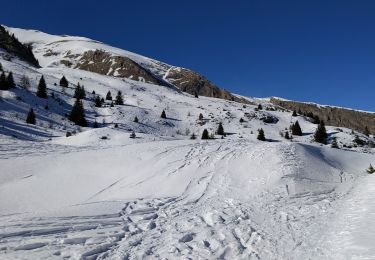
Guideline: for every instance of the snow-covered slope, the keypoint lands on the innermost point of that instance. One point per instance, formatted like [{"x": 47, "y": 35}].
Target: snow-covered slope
[{"x": 102, "y": 195}]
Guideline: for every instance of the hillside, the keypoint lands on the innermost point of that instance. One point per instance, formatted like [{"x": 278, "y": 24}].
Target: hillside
[{"x": 99, "y": 194}]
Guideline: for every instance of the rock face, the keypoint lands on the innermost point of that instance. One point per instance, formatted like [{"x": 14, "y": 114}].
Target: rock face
[
  {"x": 104, "y": 63},
  {"x": 11, "y": 44},
  {"x": 334, "y": 116},
  {"x": 193, "y": 83}
]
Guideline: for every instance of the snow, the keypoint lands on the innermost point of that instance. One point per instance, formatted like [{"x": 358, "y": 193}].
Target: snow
[{"x": 162, "y": 195}]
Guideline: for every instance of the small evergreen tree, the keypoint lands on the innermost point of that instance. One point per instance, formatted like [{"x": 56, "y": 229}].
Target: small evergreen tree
[
  {"x": 132, "y": 135},
  {"x": 108, "y": 96},
  {"x": 31, "y": 117},
  {"x": 205, "y": 135},
  {"x": 119, "y": 99},
  {"x": 296, "y": 129},
  {"x": 3, "y": 83},
  {"x": 77, "y": 115},
  {"x": 261, "y": 135},
  {"x": 135, "y": 119},
  {"x": 102, "y": 100},
  {"x": 241, "y": 120},
  {"x": 320, "y": 135},
  {"x": 286, "y": 135},
  {"x": 82, "y": 92},
  {"x": 294, "y": 113},
  {"x": 260, "y": 107},
  {"x": 220, "y": 129},
  {"x": 200, "y": 117},
  {"x": 79, "y": 92},
  {"x": 93, "y": 92},
  {"x": 163, "y": 114},
  {"x": 370, "y": 169},
  {"x": 64, "y": 83},
  {"x": 42, "y": 88},
  {"x": 10, "y": 81},
  {"x": 98, "y": 102},
  {"x": 193, "y": 136}
]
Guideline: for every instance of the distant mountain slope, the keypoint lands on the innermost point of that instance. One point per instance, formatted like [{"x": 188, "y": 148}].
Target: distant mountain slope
[
  {"x": 86, "y": 54},
  {"x": 335, "y": 116}
]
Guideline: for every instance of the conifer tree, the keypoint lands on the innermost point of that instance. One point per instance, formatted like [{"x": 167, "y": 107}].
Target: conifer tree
[
  {"x": 241, "y": 120},
  {"x": 31, "y": 117},
  {"x": 261, "y": 135},
  {"x": 77, "y": 115},
  {"x": 119, "y": 100},
  {"x": 42, "y": 88},
  {"x": 10, "y": 81},
  {"x": 220, "y": 129},
  {"x": 286, "y": 135},
  {"x": 193, "y": 136},
  {"x": 163, "y": 114},
  {"x": 260, "y": 107},
  {"x": 135, "y": 119},
  {"x": 296, "y": 129},
  {"x": 205, "y": 135},
  {"x": 3, "y": 83},
  {"x": 196, "y": 95},
  {"x": 64, "y": 83},
  {"x": 79, "y": 92},
  {"x": 132, "y": 135},
  {"x": 320, "y": 135},
  {"x": 98, "y": 102},
  {"x": 82, "y": 92},
  {"x": 294, "y": 113},
  {"x": 200, "y": 117},
  {"x": 108, "y": 96}
]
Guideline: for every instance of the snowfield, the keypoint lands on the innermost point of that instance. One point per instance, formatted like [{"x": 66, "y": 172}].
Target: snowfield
[{"x": 99, "y": 194}]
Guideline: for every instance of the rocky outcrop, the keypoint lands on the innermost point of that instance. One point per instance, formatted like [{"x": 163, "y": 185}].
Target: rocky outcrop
[
  {"x": 335, "y": 116},
  {"x": 13, "y": 46},
  {"x": 104, "y": 63},
  {"x": 193, "y": 83}
]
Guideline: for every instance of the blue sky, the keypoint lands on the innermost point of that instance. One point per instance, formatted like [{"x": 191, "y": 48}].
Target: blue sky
[{"x": 319, "y": 51}]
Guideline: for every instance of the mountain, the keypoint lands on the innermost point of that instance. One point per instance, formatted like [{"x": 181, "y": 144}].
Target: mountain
[{"x": 134, "y": 184}]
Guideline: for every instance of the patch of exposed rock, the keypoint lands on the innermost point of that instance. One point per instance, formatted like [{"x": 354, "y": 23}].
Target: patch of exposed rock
[
  {"x": 193, "y": 83},
  {"x": 104, "y": 63},
  {"x": 335, "y": 116}
]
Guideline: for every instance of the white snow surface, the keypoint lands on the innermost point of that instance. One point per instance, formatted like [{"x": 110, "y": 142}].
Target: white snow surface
[{"x": 162, "y": 195}]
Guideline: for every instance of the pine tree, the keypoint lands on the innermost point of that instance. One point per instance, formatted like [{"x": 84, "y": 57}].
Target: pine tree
[
  {"x": 98, "y": 102},
  {"x": 3, "y": 83},
  {"x": 10, "y": 81},
  {"x": 119, "y": 99},
  {"x": 261, "y": 135},
  {"x": 64, "y": 83},
  {"x": 77, "y": 115},
  {"x": 241, "y": 120},
  {"x": 135, "y": 119},
  {"x": 320, "y": 135},
  {"x": 79, "y": 92},
  {"x": 132, "y": 135},
  {"x": 163, "y": 115},
  {"x": 205, "y": 135},
  {"x": 42, "y": 88},
  {"x": 370, "y": 169},
  {"x": 286, "y": 135},
  {"x": 193, "y": 136},
  {"x": 294, "y": 113},
  {"x": 220, "y": 129},
  {"x": 296, "y": 129},
  {"x": 82, "y": 92},
  {"x": 260, "y": 107},
  {"x": 334, "y": 143},
  {"x": 31, "y": 117},
  {"x": 200, "y": 117},
  {"x": 108, "y": 96}
]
